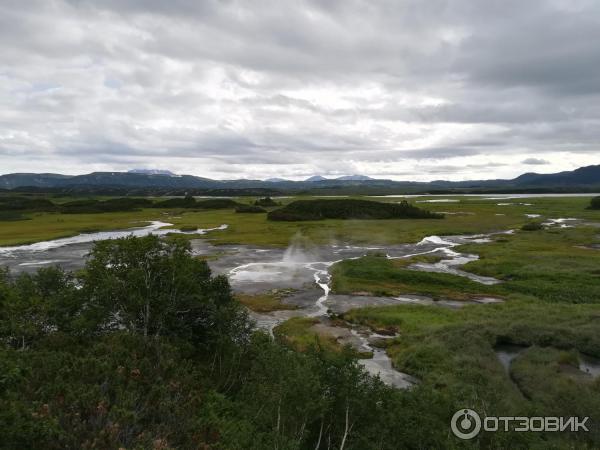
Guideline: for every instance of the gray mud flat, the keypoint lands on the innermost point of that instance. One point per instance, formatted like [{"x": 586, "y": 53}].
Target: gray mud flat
[
  {"x": 340, "y": 303},
  {"x": 70, "y": 253}
]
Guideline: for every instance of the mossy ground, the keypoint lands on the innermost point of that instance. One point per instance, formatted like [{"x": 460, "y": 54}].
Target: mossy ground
[
  {"x": 551, "y": 284},
  {"x": 391, "y": 277},
  {"x": 302, "y": 334}
]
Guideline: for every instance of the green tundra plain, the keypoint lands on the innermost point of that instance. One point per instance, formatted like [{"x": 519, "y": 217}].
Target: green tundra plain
[{"x": 548, "y": 306}]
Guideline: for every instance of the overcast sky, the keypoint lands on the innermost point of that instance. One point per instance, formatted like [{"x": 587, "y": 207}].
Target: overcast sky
[{"x": 397, "y": 89}]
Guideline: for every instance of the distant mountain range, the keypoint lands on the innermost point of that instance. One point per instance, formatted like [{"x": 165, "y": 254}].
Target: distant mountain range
[
  {"x": 141, "y": 181},
  {"x": 320, "y": 178},
  {"x": 316, "y": 178},
  {"x": 153, "y": 172},
  {"x": 345, "y": 178}
]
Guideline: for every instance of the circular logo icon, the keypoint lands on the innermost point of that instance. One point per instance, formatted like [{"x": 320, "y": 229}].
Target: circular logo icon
[{"x": 465, "y": 424}]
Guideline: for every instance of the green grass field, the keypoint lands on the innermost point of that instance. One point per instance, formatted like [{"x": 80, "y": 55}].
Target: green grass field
[
  {"x": 452, "y": 352},
  {"x": 469, "y": 215},
  {"x": 377, "y": 275},
  {"x": 553, "y": 265}
]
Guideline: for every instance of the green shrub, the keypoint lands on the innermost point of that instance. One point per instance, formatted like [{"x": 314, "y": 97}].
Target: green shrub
[{"x": 532, "y": 226}]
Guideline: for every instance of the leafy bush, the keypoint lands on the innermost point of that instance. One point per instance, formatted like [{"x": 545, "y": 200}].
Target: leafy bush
[
  {"x": 156, "y": 287},
  {"x": 349, "y": 209},
  {"x": 594, "y": 203}
]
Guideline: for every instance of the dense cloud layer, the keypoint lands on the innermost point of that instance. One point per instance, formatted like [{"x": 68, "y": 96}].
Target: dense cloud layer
[{"x": 398, "y": 89}]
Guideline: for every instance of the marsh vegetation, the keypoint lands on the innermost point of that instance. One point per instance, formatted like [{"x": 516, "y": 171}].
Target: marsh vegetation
[{"x": 439, "y": 299}]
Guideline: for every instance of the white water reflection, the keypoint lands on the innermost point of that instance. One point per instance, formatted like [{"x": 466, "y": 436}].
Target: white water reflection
[
  {"x": 561, "y": 222},
  {"x": 589, "y": 365},
  {"x": 451, "y": 259},
  {"x": 507, "y": 352},
  {"x": 488, "y": 197}
]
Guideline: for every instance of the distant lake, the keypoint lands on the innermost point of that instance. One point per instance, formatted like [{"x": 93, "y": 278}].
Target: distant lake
[{"x": 489, "y": 196}]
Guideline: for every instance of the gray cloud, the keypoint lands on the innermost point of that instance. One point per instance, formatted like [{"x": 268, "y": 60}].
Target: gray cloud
[
  {"x": 224, "y": 88},
  {"x": 534, "y": 161}
]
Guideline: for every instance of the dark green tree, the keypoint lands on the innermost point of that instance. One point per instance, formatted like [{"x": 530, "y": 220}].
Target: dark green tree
[
  {"x": 155, "y": 287},
  {"x": 32, "y": 306}
]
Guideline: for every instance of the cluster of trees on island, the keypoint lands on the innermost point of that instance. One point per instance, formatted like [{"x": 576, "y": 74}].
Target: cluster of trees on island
[{"x": 349, "y": 209}]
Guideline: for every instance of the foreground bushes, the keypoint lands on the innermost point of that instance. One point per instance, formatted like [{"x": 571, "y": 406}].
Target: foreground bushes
[{"x": 594, "y": 203}]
